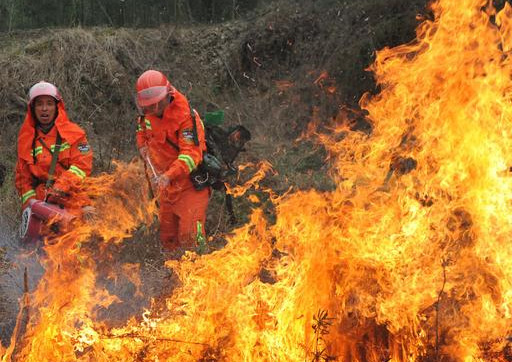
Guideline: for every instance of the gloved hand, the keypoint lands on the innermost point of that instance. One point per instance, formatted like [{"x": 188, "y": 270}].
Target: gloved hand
[
  {"x": 161, "y": 182},
  {"x": 143, "y": 152},
  {"x": 56, "y": 196}
]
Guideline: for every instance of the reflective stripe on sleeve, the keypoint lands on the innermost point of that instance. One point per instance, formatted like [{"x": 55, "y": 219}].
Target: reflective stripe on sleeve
[
  {"x": 77, "y": 171},
  {"x": 27, "y": 195},
  {"x": 188, "y": 161},
  {"x": 148, "y": 123},
  {"x": 36, "y": 151}
]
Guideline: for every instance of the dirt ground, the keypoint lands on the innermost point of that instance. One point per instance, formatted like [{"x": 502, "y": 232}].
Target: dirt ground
[{"x": 272, "y": 72}]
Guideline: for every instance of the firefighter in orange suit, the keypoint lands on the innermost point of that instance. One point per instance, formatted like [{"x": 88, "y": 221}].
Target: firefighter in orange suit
[
  {"x": 46, "y": 126},
  {"x": 171, "y": 140}
]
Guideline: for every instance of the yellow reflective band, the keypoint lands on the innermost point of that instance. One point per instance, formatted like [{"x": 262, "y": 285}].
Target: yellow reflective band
[
  {"x": 188, "y": 161},
  {"x": 77, "y": 171},
  {"x": 63, "y": 147},
  {"x": 139, "y": 128},
  {"x": 148, "y": 123},
  {"x": 27, "y": 195},
  {"x": 38, "y": 150}
]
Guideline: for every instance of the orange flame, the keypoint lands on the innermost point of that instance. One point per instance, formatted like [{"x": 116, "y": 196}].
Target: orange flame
[
  {"x": 66, "y": 296},
  {"x": 325, "y": 82},
  {"x": 263, "y": 168},
  {"x": 407, "y": 260}
]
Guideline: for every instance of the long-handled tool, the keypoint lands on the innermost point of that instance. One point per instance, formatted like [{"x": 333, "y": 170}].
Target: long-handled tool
[
  {"x": 153, "y": 177},
  {"x": 151, "y": 167}
]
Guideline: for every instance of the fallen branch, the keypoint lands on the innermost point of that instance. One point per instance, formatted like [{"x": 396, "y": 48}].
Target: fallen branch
[{"x": 231, "y": 75}]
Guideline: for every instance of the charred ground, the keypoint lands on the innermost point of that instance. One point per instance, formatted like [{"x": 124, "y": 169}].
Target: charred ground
[{"x": 274, "y": 72}]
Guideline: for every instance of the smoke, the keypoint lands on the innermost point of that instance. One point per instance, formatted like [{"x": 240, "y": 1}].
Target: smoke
[{"x": 16, "y": 261}]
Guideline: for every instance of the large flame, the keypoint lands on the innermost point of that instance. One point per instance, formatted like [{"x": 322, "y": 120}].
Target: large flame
[
  {"x": 66, "y": 295},
  {"x": 407, "y": 260}
]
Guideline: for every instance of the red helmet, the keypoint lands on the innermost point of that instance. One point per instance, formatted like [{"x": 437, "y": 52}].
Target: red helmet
[
  {"x": 43, "y": 89},
  {"x": 152, "y": 86}
]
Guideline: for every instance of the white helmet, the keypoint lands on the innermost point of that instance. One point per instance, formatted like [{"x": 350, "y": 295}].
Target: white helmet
[{"x": 43, "y": 89}]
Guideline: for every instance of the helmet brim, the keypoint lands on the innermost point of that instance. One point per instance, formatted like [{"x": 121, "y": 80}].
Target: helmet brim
[{"x": 150, "y": 96}]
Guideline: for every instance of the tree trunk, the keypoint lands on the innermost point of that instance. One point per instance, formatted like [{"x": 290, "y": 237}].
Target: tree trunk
[
  {"x": 12, "y": 14},
  {"x": 107, "y": 16},
  {"x": 82, "y": 12}
]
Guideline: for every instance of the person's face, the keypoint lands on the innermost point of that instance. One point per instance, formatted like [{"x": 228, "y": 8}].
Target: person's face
[
  {"x": 45, "y": 109},
  {"x": 156, "y": 109}
]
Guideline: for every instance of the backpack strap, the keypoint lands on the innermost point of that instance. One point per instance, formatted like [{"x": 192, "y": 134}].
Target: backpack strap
[
  {"x": 34, "y": 146},
  {"x": 194, "y": 131},
  {"x": 55, "y": 156},
  {"x": 194, "y": 125},
  {"x": 176, "y": 147}
]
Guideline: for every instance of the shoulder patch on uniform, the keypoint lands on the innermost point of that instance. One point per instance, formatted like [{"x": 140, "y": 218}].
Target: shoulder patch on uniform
[
  {"x": 84, "y": 147},
  {"x": 188, "y": 135}
]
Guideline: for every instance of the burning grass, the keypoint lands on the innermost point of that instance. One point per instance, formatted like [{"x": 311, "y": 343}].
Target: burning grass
[{"x": 407, "y": 259}]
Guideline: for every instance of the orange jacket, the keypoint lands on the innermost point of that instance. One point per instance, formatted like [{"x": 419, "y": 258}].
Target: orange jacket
[
  {"x": 34, "y": 158},
  {"x": 181, "y": 155}
]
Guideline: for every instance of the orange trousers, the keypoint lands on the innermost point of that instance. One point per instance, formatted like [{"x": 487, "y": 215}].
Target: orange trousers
[{"x": 182, "y": 219}]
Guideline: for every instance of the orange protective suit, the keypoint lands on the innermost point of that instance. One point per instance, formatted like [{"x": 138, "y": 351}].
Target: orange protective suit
[
  {"x": 34, "y": 158},
  {"x": 172, "y": 151}
]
